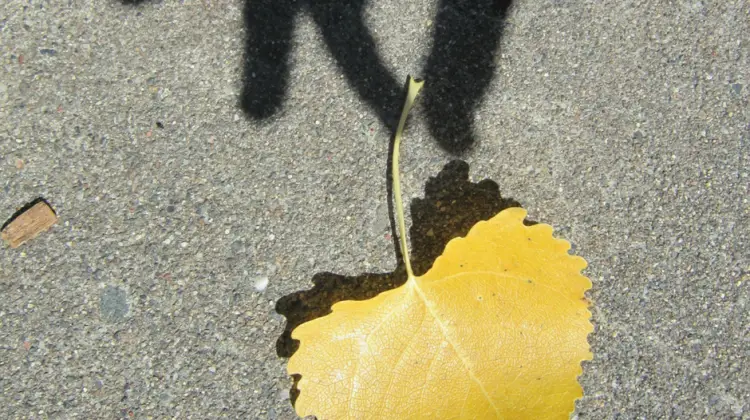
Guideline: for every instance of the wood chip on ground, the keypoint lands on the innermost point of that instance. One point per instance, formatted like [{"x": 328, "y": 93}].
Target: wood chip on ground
[{"x": 28, "y": 224}]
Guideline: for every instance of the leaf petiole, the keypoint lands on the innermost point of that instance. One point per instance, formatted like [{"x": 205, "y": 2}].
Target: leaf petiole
[{"x": 414, "y": 87}]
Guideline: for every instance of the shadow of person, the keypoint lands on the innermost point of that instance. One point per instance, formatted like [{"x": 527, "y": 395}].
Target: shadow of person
[
  {"x": 270, "y": 24},
  {"x": 460, "y": 67},
  {"x": 451, "y": 206},
  {"x": 458, "y": 70}
]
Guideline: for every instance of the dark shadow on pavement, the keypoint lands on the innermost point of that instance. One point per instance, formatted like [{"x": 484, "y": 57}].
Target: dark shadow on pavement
[
  {"x": 458, "y": 71},
  {"x": 460, "y": 67}
]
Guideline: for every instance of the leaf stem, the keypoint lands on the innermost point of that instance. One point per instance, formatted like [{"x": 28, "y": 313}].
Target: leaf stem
[{"x": 414, "y": 88}]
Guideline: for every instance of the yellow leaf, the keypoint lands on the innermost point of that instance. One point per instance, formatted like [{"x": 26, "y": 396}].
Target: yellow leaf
[{"x": 495, "y": 329}]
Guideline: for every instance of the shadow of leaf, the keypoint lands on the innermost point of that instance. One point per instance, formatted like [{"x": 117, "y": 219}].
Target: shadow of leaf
[{"x": 451, "y": 206}]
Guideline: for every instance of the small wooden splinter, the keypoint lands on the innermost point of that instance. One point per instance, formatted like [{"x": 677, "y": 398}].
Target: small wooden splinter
[{"x": 28, "y": 224}]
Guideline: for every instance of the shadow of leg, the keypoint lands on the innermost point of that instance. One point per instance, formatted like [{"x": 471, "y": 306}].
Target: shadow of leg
[
  {"x": 460, "y": 67},
  {"x": 350, "y": 43},
  {"x": 269, "y": 25},
  {"x": 452, "y": 205}
]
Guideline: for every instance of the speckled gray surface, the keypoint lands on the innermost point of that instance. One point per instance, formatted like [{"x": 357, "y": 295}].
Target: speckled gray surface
[{"x": 623, "y": 124}]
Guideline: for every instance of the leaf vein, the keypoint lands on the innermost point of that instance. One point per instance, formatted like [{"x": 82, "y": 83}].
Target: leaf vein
[{"x": 448, "y": 338}]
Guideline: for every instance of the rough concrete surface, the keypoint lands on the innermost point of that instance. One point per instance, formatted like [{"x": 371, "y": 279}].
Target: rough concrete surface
[{"x": 624, "y": 124}]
